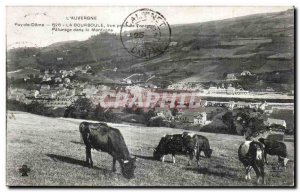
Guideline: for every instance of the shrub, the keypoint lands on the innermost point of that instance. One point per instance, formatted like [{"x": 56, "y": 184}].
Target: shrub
[
  {"x": 37, "y": 108},
  {"x": 157, "y": 122},
  {"x": 228, "y": 120},
  {"x": 102, "y": 114},
  {"x": 147, "y": 116},
  {"x": 15, "y": 105},
  {"x": 82, "y": 108},
  {"x": 216, "y": 126}
]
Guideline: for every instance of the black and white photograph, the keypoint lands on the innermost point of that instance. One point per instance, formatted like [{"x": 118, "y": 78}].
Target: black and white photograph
[{"x": 150, "y": 96}]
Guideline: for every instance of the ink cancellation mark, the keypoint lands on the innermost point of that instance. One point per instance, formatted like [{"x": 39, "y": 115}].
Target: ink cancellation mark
[{"x": 145, "y": 34}]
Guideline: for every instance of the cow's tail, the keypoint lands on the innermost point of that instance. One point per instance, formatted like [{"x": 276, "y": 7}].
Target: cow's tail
[
  {"x": 259, "y": 163},
  {"x": 256, "y": 152},
  {"x": 259, "y": 153}
]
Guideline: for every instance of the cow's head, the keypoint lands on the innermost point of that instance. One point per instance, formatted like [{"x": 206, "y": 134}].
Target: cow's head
[
  {"x": 208, "y": 153},
  {"x": 160, "y": 149},
  {"x": 157, "y": 155},
  {"x": 283, "y": 162},
  {"x": 127, "y": 167},
  {"x": 261, "y": 140}
]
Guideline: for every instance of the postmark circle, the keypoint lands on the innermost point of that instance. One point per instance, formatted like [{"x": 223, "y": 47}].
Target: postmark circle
[{"x": 145, "y": 34}]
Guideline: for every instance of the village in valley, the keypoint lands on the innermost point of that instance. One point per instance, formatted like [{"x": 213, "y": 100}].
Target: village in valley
[
  {"x": 223, "y": 75},
  {"x": 62, "y": 88}
]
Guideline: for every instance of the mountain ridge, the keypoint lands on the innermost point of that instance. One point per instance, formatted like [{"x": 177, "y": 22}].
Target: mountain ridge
[{"x": 205, "y": 51}]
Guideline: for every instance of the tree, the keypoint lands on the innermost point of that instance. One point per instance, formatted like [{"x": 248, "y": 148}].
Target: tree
[
  {"x": 252, "y": 123},
  {"x": 138, "y": 111},
  {"x": 37, "y": 108},
  {"x": 225, "y": 75},
  {"x": 102, "y": 114},
  {"x": 228, "y": 120},
  {"x": 82, "y": 108},
  {"x": 174, "y": 111},
  {"x": 69, "y": 112},
  {"x": 148, "y": 116},
  {"x": 156, "y": 122}
]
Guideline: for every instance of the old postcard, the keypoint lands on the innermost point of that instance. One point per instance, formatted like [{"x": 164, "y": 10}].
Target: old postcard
[{"x": 150, "y": 96}]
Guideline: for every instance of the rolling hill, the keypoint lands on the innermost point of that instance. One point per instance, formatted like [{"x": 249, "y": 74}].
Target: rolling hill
[
  {"x": 53, "y": 150},
  {"x": 204, "y": 51}
]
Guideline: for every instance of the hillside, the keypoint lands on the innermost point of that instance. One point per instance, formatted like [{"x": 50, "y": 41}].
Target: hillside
[
  {"x": 205, "y": 51},
  {"x": 53, "y": 150}
]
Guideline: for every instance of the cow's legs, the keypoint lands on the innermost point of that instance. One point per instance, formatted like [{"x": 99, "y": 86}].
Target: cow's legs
[
  {"x": 191, "y": 158},
  {"x": 246, "y": 175},
  {"x": 89, "y": 160},
  {"x": 279, "y": 162},
  {"x": 248, "y": 172},
  {"x": 265, "y": 156},
  {"x": 173, "y": 158},
  {"x": 259, "y": 174},
  {"x": 114, "y": 165},
  {"x": 247, "y": 169},
  {"x": 262, "y": 173},
  {"x": 198, "y": 157},
  {"x": 163, "y": 158},
  {"x": 86, "y": 156}
]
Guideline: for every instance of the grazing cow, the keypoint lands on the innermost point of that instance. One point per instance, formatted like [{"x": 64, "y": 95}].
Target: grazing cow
[
  {"x": 100, "y": 136},
  {"x": 275, "y": 148},
  {"x": 171, "y": 144},
  {"x": 251, "y": 155},
  {"x": 182, "y": 144},
  {"x": 201, "y": 144}
]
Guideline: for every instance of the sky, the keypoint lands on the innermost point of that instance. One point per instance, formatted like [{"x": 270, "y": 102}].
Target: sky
[{"x": 19, "y": 35}]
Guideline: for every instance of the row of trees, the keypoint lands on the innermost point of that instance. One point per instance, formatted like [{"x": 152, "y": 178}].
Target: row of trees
[
  {"x": 239, "y": 122},
  {"x": 35, "y": 108},
  {"x": 84, "y": 109}
]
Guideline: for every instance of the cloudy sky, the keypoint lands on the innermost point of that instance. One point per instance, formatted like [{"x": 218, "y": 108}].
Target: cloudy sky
[{"x": 19, "y": 35}]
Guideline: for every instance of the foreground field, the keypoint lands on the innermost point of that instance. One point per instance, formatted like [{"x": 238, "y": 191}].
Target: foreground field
[{"x": 52, "y": 149}]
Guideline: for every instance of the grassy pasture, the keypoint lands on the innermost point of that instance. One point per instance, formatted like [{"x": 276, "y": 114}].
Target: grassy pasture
[{"x": 52, "y": 149}]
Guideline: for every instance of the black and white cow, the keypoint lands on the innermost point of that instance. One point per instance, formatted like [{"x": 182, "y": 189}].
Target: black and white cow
[
  {"x": 251, "y": 154},
  {"x": 182, "y": 144},
  {"x": 101, "y": 137},
  {"x": 172, "y": 144}
]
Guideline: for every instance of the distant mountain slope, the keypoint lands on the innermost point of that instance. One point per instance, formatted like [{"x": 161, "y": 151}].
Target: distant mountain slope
[{"x": 204, "y": 51}]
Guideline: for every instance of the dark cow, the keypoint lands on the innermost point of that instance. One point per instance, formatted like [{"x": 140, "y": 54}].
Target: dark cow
[
  {"x": 275, "y": 148},
  {"x": 171, "y": 144},
  {"x": 101, "y": 137},
  {"x": 201, "y": 144},
  {"x": 182, "y": 144},
  {"x": 251, "y": 154}
]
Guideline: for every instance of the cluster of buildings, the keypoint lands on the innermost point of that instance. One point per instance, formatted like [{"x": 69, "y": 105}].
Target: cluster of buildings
[
  {"x": 57, "y": 89},
  {"x": 271, "y": 121},
  {"x": 234, "y": 76},
  {"x": 199, "y": 117},
  {"x": 185, "y": 116},
  {"x": 55, "y": 95},
  {"x": 49, "y": 97},
  {"x": 192, "y": 86},
  {"x": 59, "y": 76},
  {"x": 226, "y": 91},
  {"x": 264, "y": 106}
]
